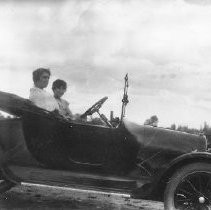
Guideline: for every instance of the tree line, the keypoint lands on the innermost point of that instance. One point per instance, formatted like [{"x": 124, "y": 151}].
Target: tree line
[{"x": 204, "y": 129}]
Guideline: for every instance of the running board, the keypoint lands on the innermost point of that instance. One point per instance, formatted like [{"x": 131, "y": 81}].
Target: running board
[{"x": 62, "y": 178}]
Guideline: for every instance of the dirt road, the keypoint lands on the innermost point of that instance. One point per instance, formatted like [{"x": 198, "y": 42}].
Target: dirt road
[{"x": 46, "y": 197}]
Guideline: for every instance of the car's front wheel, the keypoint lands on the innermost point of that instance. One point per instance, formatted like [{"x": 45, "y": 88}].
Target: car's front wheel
[{"x": 189, "y": 188}]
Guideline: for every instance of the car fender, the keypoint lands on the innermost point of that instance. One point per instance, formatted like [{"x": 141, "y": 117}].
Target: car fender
[
  {"x": 1, "y": 156},
  {"x": 5, "y": 171},
  {"x": 166, "y": 172},
  {"x": 185, "y": 159}
]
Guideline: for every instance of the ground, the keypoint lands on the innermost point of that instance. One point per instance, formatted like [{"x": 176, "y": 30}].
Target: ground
[{"x": 30, "y": 197}]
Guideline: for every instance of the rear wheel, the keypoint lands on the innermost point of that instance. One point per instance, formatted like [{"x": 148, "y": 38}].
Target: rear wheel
[
  {"x": 5, "y": 185},
  {"x": 189, "y": 188}
]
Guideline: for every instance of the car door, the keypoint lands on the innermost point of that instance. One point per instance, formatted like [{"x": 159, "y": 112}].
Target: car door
[{"x": 88, "y": 143}]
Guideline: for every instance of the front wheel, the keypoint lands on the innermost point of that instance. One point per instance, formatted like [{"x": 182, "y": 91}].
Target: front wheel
[{"x": 189, "y": 188}]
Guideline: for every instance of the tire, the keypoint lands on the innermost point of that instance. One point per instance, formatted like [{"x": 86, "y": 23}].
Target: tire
[
  {"x": 189, "y": 188},
  {"x": 5, "y": 185}
]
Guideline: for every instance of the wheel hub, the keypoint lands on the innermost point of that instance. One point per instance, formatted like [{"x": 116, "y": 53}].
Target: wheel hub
[
  {"x": 194, "y": 192},
  {"x": 201, "y": 199}
]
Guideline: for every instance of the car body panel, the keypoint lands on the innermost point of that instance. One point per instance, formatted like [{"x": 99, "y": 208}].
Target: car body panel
[
  {"x": 159, "y": 146},
  {"x": 130, "y": 150}
]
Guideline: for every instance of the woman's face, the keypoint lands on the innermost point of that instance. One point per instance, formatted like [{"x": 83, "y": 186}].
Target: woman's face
[
  {"x": 59, "y": 92},
  {"x": 43, "y": 81}
]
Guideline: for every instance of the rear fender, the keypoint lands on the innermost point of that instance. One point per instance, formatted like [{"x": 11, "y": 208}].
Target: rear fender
[
  {"x": 1, "y": 156},
  {"x": 5, "y": 156},
  {"x": 5, "y": 172},
  {"x": 8, "y": 175}
]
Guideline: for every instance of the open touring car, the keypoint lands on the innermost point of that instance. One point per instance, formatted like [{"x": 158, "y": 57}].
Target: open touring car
[{"x": 148, "y": 162}]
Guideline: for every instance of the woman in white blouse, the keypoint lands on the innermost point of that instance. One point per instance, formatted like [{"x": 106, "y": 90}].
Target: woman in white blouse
[{"x": 38, "y": 95}]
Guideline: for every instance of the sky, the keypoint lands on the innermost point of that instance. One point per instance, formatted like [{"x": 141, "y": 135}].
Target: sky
[{"x": 163, "y": 45}]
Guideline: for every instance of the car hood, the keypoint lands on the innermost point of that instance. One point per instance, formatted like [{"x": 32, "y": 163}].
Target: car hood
[{"x": 166, "y": 139}]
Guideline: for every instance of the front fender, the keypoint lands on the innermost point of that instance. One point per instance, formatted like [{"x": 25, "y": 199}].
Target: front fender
[
  {"x": 183, "y": 160},
  {"x": 189, "y": 157},
  {"x": 166, "y": 172}
]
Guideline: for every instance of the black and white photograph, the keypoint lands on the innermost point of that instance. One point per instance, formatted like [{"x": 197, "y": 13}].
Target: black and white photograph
[{"x": 105, "y": 104}]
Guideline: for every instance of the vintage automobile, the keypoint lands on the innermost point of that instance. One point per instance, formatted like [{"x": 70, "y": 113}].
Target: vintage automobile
[{"x": 147, "y": 162}]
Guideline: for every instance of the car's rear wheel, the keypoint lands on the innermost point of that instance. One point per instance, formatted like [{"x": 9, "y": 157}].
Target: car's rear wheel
[
  {"x": 5, "y": 185},
  {"x": 189, "y": 188}
]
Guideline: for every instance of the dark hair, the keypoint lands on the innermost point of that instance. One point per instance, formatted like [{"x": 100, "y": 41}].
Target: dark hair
[
  {"x": 58, "y": 84},
  {"x": 38, "y": 72}
]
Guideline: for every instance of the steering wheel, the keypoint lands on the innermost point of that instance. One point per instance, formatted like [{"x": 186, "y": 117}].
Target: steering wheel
[{"x": 94, "y": 108}]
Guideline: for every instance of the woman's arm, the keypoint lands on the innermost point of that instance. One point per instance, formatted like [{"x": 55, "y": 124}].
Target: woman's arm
[{"x": 69, "y": 112}]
